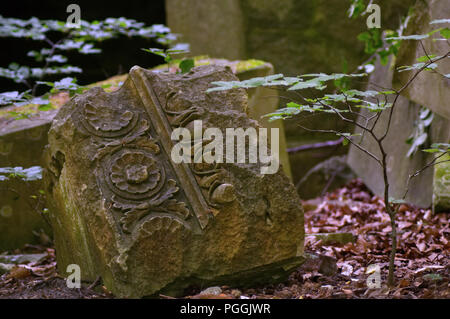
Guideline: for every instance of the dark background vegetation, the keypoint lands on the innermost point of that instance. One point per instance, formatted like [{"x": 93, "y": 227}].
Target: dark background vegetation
[{"x": 118, "y": 55}]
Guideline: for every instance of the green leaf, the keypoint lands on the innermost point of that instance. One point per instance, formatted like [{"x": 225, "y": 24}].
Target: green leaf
[
  {"x": 45, "y": 107},
  {"x": 416, "y": 143},
  {"x": 373, "y": 40},
  {"x": 305, "y": 85},
  {"x": 179, "y": 48},
  {"x": 438, "y": 148},
  {"x": 444, "y": 146},
  {"x": 56, "y": 58},
  {"x": 89, "y": 49},
  {"x": 224, "y": 85},
  {"x": 156, "y": 51},
  {"x": 186, "y": 65},
  {"x": 316, "y": 82},
  {"x": 357, "y": 8},
  {"x": 392, "y": 200},
  {"x": 410, "y": 37},
  {"x": 255, "y": 82},
  {"x": 283, "y": 113},
  {"x": 347, "y": 137},
  {"x": 270, "y": 80},
  {"x": 416, "y": 66},
  {"x": 424, "y": 113},
  {"x": 27, "y": 174},
  {"x": 426, "y": 58},
  {"x": 374, "y": 107},
  {"x": 369, "y": 93},
  {"x": 445, "y": 33},
  {"x": 11, "y": 97},
  {"x": 431, "y": 150},
  {"x": 440, "y": 21}
]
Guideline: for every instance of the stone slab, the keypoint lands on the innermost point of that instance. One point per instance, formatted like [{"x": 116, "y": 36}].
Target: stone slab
[
  {"x": 123, "y": 209},
  {"x": 21, "y": 144},
  {"x": 21, "y": 221},
  {"x": 429, "y": 90}
]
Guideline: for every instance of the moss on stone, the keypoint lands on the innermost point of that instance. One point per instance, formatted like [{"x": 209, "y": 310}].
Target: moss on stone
[
  {"x": 242, "y": 66},
  {"x": 441, "y": 185},
  {"x": 236, "y": 66}
]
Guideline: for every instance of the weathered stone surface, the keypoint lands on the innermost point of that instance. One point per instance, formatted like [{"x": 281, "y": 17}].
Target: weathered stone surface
[
  {"x": 429, "y": 90},
  {"x": 324, "y": 177},
  {"x": 4, "y": 268},
  {"x": 214, "y": 291},
  {"x": 20, "y": 219},
  {"x": 121, "y": 208},
  {"x": 198, "y": 21},
  {"x": 333, "y": 238},
  {"x": 22, "y": 143},
  {"x": 323, "y": 264},
  {"x": 22, "y": 259},
  {"x": 296, "y": 37},
  {"x": 399, "y": 165},
  {"x": 305, "y": 163},
  {"x": 262, "y": 101}
]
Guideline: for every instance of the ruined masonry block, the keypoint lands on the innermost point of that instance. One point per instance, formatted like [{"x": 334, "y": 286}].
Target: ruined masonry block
[
  {"x": 122, "y": 209},
  {"x": 22, "y": 143}
]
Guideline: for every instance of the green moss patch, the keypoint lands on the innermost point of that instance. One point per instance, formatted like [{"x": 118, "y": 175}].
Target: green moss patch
[{"x": 114, "y": 83}]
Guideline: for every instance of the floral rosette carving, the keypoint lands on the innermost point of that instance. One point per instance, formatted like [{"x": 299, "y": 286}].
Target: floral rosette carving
[
  {"x": 135, "y": 173},
  {"x": 106, "y": 118},
  {"x": 107, "y": 121},
  {"x": 139, "y": 189}
]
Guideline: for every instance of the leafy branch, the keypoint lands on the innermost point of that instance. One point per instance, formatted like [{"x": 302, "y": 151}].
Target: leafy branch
[
  {"x": 345, "y": 105},
  {"x": 52, "y": 58},
  {"x": 185, "y": 65}
]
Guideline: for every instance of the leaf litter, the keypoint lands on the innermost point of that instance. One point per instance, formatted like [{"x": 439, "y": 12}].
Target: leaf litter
[{"x": 339, "y": 271}]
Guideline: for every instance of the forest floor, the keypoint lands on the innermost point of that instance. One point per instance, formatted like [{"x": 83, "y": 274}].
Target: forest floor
[{"x": 422, "y": 260}]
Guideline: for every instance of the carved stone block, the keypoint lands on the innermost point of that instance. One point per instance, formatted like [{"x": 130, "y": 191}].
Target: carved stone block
[{"x": 122, "y": 209}]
